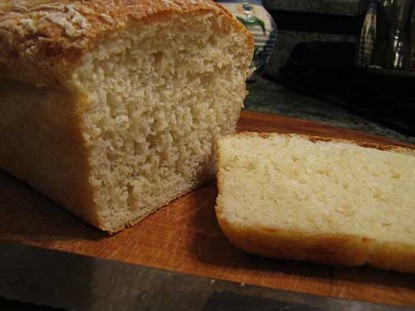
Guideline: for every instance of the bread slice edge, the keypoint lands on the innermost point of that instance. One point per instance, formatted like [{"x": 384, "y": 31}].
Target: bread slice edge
[{"x": 317, "y": 247}]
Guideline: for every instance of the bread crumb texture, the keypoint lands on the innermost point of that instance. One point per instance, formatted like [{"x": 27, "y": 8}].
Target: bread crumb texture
[
  {"x": 158, "y": 101},
  {"x": 310, "y": 187},
  {"x": 148, "y": 98}
]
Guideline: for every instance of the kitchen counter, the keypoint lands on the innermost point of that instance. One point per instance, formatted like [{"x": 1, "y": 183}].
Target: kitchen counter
[{"x": 270, "y": 97}]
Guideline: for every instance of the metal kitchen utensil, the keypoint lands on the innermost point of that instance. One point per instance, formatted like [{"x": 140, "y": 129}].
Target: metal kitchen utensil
[
  {"x": 388, "y": 34},
  {"x": 73, "y": 282}
]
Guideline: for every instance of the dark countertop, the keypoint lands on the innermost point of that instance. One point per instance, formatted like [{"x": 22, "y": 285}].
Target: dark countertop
[
  {"x": 332, "y": 7},
  {"x": 270, "y": 97}
]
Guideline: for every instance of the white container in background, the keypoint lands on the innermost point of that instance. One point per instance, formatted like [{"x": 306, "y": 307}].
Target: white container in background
[{"x": 260, "y": 23}]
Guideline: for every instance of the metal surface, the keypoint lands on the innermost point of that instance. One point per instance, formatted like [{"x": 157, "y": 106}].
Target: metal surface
[
  {"x": 73, "y": 282},
  {"x": 388, "y": 34}
]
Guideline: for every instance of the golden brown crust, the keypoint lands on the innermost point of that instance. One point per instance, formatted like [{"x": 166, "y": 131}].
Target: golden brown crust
[
  {"x": 333, "y": 249},
  {"x": 43, "y": 145},
  {"x": 389, "y": 256},
  {"x": 42, "y": 41},
  {"x": 320, "y": 248}
]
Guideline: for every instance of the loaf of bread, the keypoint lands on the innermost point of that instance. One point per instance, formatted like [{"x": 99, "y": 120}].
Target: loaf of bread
[
  {"x": 320, "y": 200},
  {"x": 113, "y": 108}
]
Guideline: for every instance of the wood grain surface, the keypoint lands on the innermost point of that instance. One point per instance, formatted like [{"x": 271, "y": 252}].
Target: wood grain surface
[{"x": 184, "y": 236}]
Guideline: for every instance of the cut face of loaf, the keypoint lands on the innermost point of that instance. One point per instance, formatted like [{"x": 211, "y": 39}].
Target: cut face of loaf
[
  {"x": 131, "y": 124},
  {"x": 326, "y": 201}
]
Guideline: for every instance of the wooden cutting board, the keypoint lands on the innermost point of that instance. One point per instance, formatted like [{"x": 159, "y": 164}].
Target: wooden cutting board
[{"x": 184, "y": 236}]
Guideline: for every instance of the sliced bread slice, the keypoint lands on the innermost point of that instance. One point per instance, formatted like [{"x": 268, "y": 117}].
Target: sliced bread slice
[{"x": 313, "y": 199}]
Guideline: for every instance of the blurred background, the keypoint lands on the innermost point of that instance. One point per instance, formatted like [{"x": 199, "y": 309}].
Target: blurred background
[
  {"x": 349, "y": 63},
  {"x": 356, "y": 54}
]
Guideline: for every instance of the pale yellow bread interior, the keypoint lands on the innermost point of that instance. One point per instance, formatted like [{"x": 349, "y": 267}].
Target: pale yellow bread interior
[{"x": 331, "y": 201}]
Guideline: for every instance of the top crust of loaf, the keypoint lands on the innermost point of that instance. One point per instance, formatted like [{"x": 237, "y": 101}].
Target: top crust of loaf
[{"x": 43, "y": 41}]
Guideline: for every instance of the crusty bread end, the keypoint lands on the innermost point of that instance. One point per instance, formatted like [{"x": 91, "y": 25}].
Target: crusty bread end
[{"x": 113, "y": 108}]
